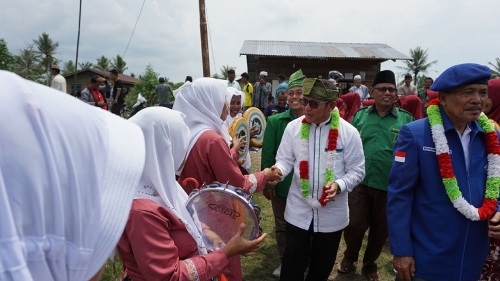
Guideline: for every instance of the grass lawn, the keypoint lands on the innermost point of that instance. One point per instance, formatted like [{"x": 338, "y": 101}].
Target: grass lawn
[{"x": 260, "y": 266}]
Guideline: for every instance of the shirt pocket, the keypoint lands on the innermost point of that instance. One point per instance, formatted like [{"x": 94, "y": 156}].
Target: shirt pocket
[{"x": 394, "y": 133}]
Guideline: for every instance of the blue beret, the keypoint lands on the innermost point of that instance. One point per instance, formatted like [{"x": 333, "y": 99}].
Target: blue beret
[{"x": 461, "y": 74}]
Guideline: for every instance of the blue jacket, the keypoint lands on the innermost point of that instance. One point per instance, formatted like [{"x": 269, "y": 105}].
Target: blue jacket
[{"x": 421, "y": 218}]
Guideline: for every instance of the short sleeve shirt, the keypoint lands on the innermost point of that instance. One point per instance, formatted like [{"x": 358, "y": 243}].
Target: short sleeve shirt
[
  {"x": 118, "y": 85},
  {"x": 162, "y": 91}
]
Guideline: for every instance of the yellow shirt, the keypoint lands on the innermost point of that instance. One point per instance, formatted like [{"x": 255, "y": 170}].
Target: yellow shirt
[{"x": 248, "y": 90}]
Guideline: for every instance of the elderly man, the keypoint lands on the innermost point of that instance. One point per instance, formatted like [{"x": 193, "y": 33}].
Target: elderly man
[
  {"x": 443, "y": 186},
  {"x": 360, "y": 89},
  {"x": 378, "y": 126},
  {"x": 59, "y": 82},
  {"x": 93, "y": 94},
  {"x": 261, "y": 92},
  {"x": 276, "y": 125},
  {"x": 231, "y": 75},
  {"x": 326, "y": 155}
]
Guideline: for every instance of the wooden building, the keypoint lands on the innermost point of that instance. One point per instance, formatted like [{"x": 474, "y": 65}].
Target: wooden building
[
  {"x": 83, "y": 79},
  {"x": 317, "y": 59}
]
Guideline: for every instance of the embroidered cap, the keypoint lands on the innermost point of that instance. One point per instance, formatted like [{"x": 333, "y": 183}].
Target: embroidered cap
[
  {"x": 320, "y": 89},
  {"x": 460, "y": 75},
  {"x": 296, "y": 79}
]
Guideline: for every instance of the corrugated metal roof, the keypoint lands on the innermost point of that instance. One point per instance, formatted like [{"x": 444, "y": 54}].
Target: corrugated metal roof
[{"x": 321, "y": 50}]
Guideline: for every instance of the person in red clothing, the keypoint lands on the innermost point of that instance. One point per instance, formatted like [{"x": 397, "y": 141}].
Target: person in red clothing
[
  {"x": 205, "y": 102},
  {"x": 92, "y": 94},
  {"x": 351, "y": 105},
  {"x": 161, "y": 240},
  {"x": 414, "y": 105}
]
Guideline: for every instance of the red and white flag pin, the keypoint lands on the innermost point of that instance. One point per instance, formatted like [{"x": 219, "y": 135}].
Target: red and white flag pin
[{"x": 400, "y": 156}]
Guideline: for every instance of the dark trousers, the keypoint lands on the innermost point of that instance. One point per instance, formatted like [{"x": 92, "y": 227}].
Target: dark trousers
[
  {"x": 307, "y": 248},
  {"x": 366, "y": 210},
  {"x": 279, "y": 205},
  {"x": 116, "y": 107}
]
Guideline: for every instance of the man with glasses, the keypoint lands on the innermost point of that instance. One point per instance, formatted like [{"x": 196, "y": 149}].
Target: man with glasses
[
  {"x": 275, "y": 127},
  {"x": 378, "y": 126},
  {"x": 326, "y": 155},
  {"x": 443, "y": 186}
]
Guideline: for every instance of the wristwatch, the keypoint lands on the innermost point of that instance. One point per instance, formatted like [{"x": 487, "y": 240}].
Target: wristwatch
[{"x": 338, "y": 189}]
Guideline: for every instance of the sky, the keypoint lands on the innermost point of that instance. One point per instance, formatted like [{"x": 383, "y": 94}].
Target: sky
[{"x": 167, "y": 35}]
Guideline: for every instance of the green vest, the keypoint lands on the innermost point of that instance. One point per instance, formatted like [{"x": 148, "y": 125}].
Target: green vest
[
  {"x": 378, "y": 135},
  {"x": 275, "y": 128}
]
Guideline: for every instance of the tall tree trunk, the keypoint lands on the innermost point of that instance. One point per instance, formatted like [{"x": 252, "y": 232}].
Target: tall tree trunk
[{"x": 48, "y": 71}]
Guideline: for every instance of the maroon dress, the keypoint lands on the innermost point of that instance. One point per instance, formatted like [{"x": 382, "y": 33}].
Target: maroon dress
[{"x": 157, "y": 246}]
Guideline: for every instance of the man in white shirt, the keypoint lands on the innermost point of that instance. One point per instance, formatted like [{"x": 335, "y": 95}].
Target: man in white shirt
[
  {"x": 231, "y": 75},
  {"x": 360, "y": 89},
  {"x": 59, "y": 82},
  {"x": 326, "y": 155}
]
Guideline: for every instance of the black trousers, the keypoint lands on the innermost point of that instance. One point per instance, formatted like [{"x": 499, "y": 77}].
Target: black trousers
[
  {"x": 307, "y": 248},
  {"x": 116, "y": 107}
]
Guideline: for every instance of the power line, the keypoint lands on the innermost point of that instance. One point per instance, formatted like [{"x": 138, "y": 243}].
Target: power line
[{"x": 134, "y": 28}]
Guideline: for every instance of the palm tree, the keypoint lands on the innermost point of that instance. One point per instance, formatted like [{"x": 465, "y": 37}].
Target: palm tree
[
  {"x": 119, "y": 64},
  {"x": 69, "y": 67},
  {"x": 495, "y": 71},
  {"x": 27, "y": 64},
  {"x": 223, "y": 71},
  {"x": 103, "y": 63},
  {"x": 419, "y": 64},
  {"x": 47, "y": 48},
  {"x": 86, "y": 65}
]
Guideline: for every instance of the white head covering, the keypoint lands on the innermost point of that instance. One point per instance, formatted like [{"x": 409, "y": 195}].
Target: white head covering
[
  {"x": 357, "y": 77},
  {"x": 202, "y": 102},
  {"x": 233, "y": 92},
  {"x": 167, "y": 137},
  {"x": 263, "y": 73},
  {"x": 68, "y": 172}
]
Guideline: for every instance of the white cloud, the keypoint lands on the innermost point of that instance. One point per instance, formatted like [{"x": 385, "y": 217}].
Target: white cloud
[{"x": 168, "y": 34}]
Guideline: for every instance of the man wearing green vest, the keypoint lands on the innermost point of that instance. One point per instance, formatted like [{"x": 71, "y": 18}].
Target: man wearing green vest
[
  {"x": 275, "y": 127},
  {"x": 378, "y": 126}
]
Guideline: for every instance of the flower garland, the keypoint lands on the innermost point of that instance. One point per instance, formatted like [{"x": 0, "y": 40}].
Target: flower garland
[
  {"x": 331, "y": 154},
  {"x": 489, "y": 205}
]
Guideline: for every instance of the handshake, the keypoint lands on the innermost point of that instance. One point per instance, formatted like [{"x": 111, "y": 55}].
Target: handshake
[{"x": 273, "y": 175}]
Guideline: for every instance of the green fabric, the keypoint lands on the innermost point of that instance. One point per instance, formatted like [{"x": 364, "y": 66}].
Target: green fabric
[
  {"x": 275, "y": 128},
  {"x": 296, "y": 79},
  {"x": 378, "y": 135},
  {"x": 320, "y": 89}
]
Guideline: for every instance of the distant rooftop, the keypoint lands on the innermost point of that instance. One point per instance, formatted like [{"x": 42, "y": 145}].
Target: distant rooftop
[{"x": 321, "y": 50}]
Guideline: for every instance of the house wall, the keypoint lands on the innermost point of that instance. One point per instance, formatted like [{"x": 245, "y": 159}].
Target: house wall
[{"x": 317, "y": 68}]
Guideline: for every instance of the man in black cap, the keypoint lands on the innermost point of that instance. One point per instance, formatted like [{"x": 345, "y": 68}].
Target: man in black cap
[
  {"x": 443, "y": 186},
  {"x": 162, "y": 91},
  {"x": 378, "y": 126}
]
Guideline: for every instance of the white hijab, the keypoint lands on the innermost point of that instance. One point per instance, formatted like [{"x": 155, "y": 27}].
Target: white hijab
[
  {"x": 68, "y": 172},
  {"x": 167, "y": 137},
  {"x": 233, "y": 92},
  {"x": 202, "y": 102}
]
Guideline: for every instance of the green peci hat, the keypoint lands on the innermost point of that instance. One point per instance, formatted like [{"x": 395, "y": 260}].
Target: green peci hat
[
  {"x": 296, "y": 79},
  {"x": 320, "y": 89}
]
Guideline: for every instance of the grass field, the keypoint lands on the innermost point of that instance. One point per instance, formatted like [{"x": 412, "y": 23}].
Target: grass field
[{"x": 260, "y": 266}]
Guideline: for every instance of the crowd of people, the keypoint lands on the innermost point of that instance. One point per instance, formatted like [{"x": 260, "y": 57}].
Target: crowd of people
[{"x": 420, "y": 167}]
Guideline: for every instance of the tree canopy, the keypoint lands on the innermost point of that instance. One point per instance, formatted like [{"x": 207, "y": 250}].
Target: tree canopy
[{"x": 419, "y": 63}]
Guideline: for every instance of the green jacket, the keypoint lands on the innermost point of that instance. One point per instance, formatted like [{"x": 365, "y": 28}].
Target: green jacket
[
  {"x": 275, "y": 128},
  {"x": 378, "y": 135}
]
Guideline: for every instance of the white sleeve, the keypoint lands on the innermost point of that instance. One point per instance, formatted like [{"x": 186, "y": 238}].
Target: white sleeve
[
  {"x": 354, "y": 162},
  {"x": 285, "y": 158}
]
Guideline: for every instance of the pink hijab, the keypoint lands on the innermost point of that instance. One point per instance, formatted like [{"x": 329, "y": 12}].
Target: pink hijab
[
  {"x": 494, "y": 94},
  {"x": 352, "y": 102},
  {"x": 414, "y": 105}
]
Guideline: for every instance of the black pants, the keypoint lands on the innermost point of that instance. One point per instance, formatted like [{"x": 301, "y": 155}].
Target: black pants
[
  {"x": 116, "y": 107},
  {"x": 318, "y": 253}
]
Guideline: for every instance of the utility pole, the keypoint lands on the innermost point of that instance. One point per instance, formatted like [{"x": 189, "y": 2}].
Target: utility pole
[
  {"x": 204, "y": 40},
  {"x": 77, "y": 45}
]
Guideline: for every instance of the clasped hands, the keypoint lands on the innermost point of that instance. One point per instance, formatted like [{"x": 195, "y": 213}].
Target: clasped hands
[{"x": 273, "y": 175}]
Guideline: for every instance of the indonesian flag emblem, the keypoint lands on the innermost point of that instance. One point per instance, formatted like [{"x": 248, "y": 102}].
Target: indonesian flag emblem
[{"x": 400, "y": 156}]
